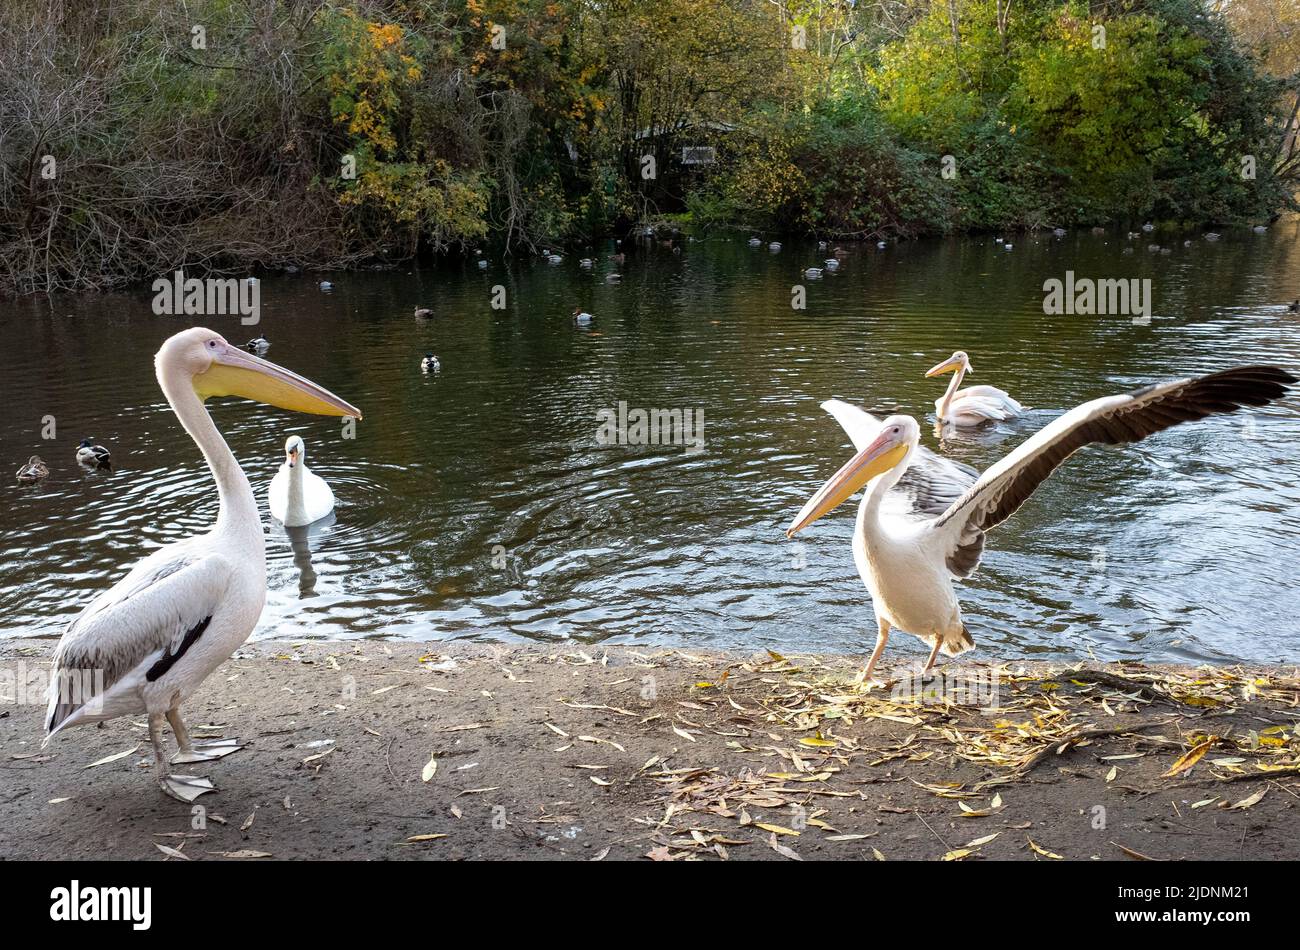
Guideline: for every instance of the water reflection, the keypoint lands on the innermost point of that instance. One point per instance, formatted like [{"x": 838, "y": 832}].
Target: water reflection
[{"x": 478, "y": 502}]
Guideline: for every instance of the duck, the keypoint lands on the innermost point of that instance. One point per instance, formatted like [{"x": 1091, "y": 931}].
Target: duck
[
  {"x": 423, "y": 313},
  {"x": 755, "y": 242},
  {"x": 882, "y": 244},
  {"x": 91, "y": 455},
  {"x": 581, "y": 317},
  {"x": 774, "y": 246},
  {"x": 832, "y": 263},
  {"x": 1058, "y": 232},
  {"x": 1294, "y": 305},
  {"x": 1212, "y": 235},
  {"x": 813, "y": 272},
  {"x": 326, "y": 286},
  {"x": 554, "y": 258},
  {"x": 298, "y": 496},
  {"x": 586, "y": 263},
  {"x": 430, "y": 363},
  {"x": 480, "y": 259},
  {"x": 613, "y": 278},
  {"x": 1148, "y": 227},
  {"x": 33, "y": 471},
  {"x": 258, "y": 345}
]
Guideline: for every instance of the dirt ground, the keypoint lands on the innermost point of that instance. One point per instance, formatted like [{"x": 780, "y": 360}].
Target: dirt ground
[{"x": 453, "y": 751}]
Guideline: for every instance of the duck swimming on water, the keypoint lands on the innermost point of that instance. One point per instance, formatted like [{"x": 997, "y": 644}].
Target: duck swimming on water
[
  {"x": 430, "y": 363},
  {"x": 259, "y": 345},
  {"x": 91, "y": 455},
  {"x": 33, "y": 471}
]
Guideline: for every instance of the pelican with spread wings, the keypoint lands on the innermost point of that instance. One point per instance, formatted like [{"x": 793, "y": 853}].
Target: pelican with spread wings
[
  {"x": 922, "y": 520},
  {"x": 145, "y": 644}
]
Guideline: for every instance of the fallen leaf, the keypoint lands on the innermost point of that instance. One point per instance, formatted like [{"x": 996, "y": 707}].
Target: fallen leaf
[
  {"x": 1190, "y": 757},
  {"x": 430, "y": 770},
  {"x": 113, "y": 758}
]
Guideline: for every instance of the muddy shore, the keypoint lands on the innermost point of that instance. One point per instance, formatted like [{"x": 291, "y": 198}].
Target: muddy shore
[{"x": 462, "y": 751}]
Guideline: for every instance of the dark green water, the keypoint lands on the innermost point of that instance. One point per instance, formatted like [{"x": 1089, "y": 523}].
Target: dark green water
[{"x": 1181, "y": 547}]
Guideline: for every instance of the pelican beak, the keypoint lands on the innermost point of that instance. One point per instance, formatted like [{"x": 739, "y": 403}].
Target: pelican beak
[
  {"x": 876, "y": 459},
  {"x": 236, "y": 372},
  {"x": 950, "y": 365}
]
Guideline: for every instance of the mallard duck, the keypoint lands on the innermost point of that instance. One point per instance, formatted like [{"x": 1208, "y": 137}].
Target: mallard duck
[
  {"x": 93, "y": 456},
  {"x": 33, "y": 471}
]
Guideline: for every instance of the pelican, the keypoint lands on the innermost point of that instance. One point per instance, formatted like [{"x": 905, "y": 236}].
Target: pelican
[
  {"x": 145, "y": 644},
  {"x": 33, "y": 471},
  {"x": 90, "y": 455},
  {"x": 973, "y": 406},
  {"x": 430, "y": 363},
  {"x": 922, "y": 519},
  {"x": 298, "y": 496}
]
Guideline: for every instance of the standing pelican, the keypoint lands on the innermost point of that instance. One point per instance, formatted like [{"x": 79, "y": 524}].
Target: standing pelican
[
  {"x": 922, "y": 519},
  {"x": 298, "y": 496},
  {"x": 145, "y": 644},
  {"x": 973, "y": 406}
]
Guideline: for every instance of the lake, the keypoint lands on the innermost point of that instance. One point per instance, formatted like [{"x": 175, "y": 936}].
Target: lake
[{"x": 480, "y": 503}]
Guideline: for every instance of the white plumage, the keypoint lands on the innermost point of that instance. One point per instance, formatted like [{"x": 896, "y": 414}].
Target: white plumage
[
  {"x": 922, "y": 520},
  {"x": 298, "y": 496},
  {"x": 974, "y": 405},
  {"x": 145, "y": 644}
]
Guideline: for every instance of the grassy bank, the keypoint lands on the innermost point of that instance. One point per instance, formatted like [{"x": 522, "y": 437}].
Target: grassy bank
[
  {"x": 453, "y": 751},
  {"x": 137, "y": 137}
]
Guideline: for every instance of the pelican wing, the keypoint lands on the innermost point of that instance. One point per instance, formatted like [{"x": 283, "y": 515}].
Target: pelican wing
[
  {"x": 157, "y": 612},
  {"x": 930, "y": 484},
  {"x": 1111, "y": 420}
]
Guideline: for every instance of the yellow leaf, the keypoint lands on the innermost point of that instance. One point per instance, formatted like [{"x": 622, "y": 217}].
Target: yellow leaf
[
  {"x": 425, "y": 837},
  {"x": 1190, "y": 757},
  {"x": 775, "y": 829},
  {"x": 429, "y": 770},
  {"x": 1043, "y": 851},
  {"x": 957, "y": 855}
]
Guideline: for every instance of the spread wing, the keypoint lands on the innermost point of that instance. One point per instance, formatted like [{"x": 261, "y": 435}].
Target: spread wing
[
  {"x": 931, "y": 482},
  {"x": 156, "y": 612},
  {"x": 1110, "y": 420}
]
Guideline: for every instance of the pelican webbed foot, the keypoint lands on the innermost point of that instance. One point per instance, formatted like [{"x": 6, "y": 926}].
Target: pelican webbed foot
[
  {"x": 185, "y": 788},
  {"x": 205, "y": 750}
]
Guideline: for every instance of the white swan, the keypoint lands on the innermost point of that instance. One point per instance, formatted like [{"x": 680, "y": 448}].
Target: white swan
[{"x": 297, "y": 495}]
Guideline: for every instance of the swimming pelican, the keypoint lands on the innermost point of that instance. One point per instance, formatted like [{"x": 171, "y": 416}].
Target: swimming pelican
[
  {"x": 581, "y": 317},
  {"x": 298, "y": 496},
  {"x": 33, "y": 471},
  {"x": 430, "y": 363},
  {"x": 145, "y": 644},
  {"x": 91, "y": 455},
  {"x": 922, "y": 519},
  {"x": 975, "y": 405}
]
